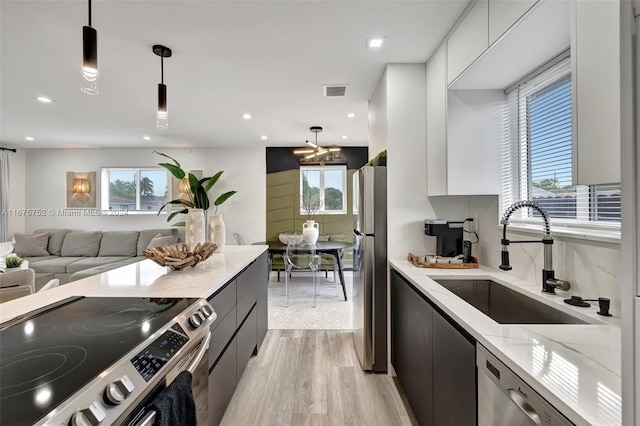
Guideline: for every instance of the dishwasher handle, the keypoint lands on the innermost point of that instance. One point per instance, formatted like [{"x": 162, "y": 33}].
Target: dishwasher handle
[{"x": 524, "y": 406}]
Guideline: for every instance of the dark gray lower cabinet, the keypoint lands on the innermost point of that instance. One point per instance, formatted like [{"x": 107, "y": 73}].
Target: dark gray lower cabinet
[
  {"x": 433, "y": 358},
  {"x": 411, "y": 347},
  {"x": 241, "y": 305},
  {"x": 222, "y": 384}
]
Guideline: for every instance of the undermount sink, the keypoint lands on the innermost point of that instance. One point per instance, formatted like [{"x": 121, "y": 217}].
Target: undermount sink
[{"x": 506, "y": 306}]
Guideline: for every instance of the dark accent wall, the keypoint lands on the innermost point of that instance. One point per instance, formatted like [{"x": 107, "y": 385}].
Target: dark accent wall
[{"x": 280, "y": 159}]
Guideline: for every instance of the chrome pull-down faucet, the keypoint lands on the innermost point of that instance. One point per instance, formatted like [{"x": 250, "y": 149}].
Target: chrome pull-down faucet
[{"x": 549, "y": 281}]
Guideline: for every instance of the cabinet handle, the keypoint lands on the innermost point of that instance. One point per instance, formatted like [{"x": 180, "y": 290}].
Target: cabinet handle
[{"x": 523, "y": 405}]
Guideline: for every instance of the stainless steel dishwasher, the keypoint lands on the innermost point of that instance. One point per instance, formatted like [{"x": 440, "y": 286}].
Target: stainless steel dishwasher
[{"x": 504, "y": 399}]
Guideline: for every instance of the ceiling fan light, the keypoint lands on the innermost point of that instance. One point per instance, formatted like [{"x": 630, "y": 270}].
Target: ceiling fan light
[{"x": 89, "y": 61}]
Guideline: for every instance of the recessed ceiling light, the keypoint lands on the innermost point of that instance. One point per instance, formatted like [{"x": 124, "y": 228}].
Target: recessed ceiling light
[
  {"x": 146, "y": 138},
  {"x": 375, "y": 42},
  {"x": 44, "y": 99},
  {"x": 351, "y": 115},
  {"x": 345, "y": 137},
  {"x": 29, "y": 138},
  {"x": 264, "y": 137},
  {"x": 246, "y": 116}
]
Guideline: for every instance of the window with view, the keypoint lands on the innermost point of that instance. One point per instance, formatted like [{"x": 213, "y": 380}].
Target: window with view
[
  {"x": 134, "y": 189},
  {"x": 537, "y": 155},
  {"x": 323, "y": 190}
]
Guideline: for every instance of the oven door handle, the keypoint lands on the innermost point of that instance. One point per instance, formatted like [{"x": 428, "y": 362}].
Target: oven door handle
[
  {"x": 150, "y": 417},
  {"x": 204, "y": 347}
]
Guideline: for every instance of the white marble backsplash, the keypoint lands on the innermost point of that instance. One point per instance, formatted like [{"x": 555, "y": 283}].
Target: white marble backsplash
[{"x": 592, "y": 267}]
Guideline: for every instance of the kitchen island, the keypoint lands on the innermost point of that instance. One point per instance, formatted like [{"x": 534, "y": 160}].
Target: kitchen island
[
  {"x": 575, "y": 367},
  {"x": 121, "y": 311},
  {"x": 146, "y": 279}
]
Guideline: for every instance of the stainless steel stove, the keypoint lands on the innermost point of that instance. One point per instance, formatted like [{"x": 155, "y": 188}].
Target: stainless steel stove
[{"x": 94, "y": 361}]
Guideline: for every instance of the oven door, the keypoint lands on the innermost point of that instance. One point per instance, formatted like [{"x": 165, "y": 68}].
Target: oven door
[{"x": 196, "y": 362}]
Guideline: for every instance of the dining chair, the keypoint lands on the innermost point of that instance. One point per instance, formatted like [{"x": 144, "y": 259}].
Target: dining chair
[
  {"x": 301, "y": 256},
  {"x": 15, "y": 284}
]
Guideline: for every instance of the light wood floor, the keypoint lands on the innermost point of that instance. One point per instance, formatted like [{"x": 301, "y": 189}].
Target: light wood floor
[{"x": 313, "y": 377}]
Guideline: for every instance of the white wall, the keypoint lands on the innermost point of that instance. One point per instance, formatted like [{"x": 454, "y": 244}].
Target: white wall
[
  {"x": 244, "y": 171},
  {"x": 17, "y": 190},
  {"x": 378, "y": 118}
]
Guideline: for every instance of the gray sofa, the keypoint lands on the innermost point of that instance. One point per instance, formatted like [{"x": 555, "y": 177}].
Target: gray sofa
[{"x": 71, "y": 255}]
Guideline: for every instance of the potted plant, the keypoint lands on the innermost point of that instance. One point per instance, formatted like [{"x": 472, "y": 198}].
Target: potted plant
[
  {"x": 13, "y": 262},
  {"x": 379, "y": 160},
  {"x": 310, "y": 201},
  {"x": 198, "y": 189}
]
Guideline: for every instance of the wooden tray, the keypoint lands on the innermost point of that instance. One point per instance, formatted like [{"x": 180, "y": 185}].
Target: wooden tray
[{"x": 414, "y": 259}]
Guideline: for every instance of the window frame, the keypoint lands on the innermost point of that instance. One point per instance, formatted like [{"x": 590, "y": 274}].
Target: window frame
[
  {"x": 517, "y": 182},
  {"x": 104, "y": 193},
  {"x": 322, "y": 169}
]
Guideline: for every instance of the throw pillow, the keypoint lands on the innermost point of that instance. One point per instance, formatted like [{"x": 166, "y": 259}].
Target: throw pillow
[
  {"x": 81, "y": 244},
  {"x": 162, "y": 240},
  {"x": 32, "y": 245},
  {"x": 6, "y": 248}
]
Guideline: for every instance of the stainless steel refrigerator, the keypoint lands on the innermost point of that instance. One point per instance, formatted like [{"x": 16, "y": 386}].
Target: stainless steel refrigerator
[{"x": 370, "y": 267}]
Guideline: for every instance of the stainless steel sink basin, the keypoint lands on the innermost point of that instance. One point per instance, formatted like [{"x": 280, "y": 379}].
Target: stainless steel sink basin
[{"x": 506, "y": 306}]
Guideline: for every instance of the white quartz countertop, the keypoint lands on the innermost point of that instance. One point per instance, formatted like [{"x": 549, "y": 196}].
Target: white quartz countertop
[
  {"x": 146, "y": 279},
  {"x": 573, "y": 366}
]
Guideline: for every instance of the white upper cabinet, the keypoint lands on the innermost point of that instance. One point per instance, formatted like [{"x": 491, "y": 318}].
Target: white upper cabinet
[
  {"x": 436, "y": 87},
  {"x": 469, "y": 40},
  {"x": 595, "y": 61},
  {"x": 504, "y": 13}
]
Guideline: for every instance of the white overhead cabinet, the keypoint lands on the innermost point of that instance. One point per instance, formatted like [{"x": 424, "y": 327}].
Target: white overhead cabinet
[
  {"x": 595, "y": 62},
  {"x": 469, "y": 40},
  {"x": 437, "y": 122},
  {"x": 504, "y": 13}
]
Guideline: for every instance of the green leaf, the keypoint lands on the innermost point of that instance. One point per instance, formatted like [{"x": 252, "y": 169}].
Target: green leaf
[
  {"x": 178, "y": 224},
  {"x": 174, "y": 214},
  {"x": 212, "y": 180},
  {"x": 170, "y": 158},
  {"x": 174, "y": 170},
  {"x": 224, "y": 197}
]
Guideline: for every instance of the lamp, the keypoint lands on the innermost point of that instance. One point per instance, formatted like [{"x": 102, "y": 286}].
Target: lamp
[
  {"x": 89, "y": 58},
  {"x": 314, "y": 151},
  {"x": 162, "y": 115},
  {"x": 80, "y": 186}
]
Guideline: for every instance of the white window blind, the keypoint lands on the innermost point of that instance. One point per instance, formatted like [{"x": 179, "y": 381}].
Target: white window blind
[{"x": 537, "y": 152}]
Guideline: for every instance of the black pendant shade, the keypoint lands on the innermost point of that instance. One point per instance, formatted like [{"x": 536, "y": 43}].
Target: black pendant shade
[
  {"x": 162, "y": 114},
  {"x": 89, "y": 58}
]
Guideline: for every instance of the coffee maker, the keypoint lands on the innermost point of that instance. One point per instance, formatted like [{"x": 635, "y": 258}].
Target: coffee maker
[{"x": 449, "y": 236}]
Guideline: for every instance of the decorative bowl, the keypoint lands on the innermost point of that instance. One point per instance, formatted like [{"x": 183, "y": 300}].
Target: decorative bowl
[
  {"x": 180, "y": 256},
  {"x": 290, "y": 238}
]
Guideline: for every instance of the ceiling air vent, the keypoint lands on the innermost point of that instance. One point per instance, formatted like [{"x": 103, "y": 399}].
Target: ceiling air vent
[{"x": 334, "y": 90}]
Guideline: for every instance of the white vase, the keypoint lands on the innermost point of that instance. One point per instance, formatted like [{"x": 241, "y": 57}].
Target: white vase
[
  {"x": 195, "y": 227},
  {"x": 217, "y": 231},
  {"x": 310, "y": 231}
]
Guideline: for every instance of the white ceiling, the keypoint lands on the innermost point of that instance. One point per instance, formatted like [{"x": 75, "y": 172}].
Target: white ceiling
[{"x": 267, "y": 58}]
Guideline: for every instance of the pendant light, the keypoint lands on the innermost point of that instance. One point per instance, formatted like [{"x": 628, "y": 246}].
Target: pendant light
[
  {"x": 162, "y": 115},
  {"x": 314, "y": 150},
  {"x": 89, "y": 58}
]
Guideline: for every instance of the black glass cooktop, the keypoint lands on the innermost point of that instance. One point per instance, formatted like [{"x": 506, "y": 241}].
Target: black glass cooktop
[{"x": 47, "y": 356}]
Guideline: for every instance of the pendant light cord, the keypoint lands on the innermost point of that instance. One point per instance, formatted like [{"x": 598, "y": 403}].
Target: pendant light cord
[{"x": 89, "y": 12}]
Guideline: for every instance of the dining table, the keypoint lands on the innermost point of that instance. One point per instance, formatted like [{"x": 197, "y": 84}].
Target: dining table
[{"x": 324, "y": 247}]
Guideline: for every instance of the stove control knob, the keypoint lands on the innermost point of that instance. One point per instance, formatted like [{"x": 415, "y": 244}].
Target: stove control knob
[
  {"x": 196, "y": 320},
  {"x": 91, "y": 416},
  {"x": 207, "y": 310},
  {"x": 116, "y": 392}
]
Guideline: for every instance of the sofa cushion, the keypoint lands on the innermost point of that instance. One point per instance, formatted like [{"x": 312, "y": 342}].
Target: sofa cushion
[
  {"x": 323, "y": 238},
  {"x": 32, "y": 244},
  {"x": 162, "y": 240},
  {"x": 92, "y": 262},
  {"x": 56, "y": 265},
  {"x": 119, "y": 243},
  {"x": 146, "y": 235},
  {"x": 56, "y": 237},
  {"x": 337, "y": 237},
  {"x": 81, "y": 243},
  {"x": 103, "y": 268},
  {"x": 36, "y": 259}
]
